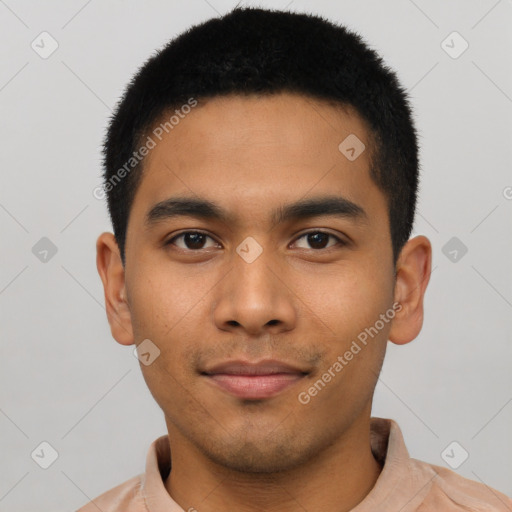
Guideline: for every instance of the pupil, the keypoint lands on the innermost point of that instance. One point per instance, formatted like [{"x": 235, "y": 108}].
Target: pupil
[
  {"x": 315, "y": 240},
  {"x": 193, "y": 239}
]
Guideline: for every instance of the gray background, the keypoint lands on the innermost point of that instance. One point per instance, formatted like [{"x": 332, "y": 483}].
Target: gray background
[{"x": 64, "y": 380}]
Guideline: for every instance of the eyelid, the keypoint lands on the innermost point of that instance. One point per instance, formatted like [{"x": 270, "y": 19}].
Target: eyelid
[
  {"x": 340, "y": 241},
  {"x": 188, "y": 231}
]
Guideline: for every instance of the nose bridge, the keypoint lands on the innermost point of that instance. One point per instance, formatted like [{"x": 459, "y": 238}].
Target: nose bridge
[
  {"x": 251, "y": 269},
  {"x": 252, "y": 294}
]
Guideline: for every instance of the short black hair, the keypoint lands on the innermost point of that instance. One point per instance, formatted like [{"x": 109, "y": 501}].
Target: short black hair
[{"x": 260, "y": 51}]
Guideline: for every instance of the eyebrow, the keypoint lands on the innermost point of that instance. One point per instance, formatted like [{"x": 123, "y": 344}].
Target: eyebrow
[{"x": 335, "y": 206}]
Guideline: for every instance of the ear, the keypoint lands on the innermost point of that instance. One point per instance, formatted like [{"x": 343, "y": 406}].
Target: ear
[
  {"x": 111, "y": 271},
  {"x": 413, "y": 270}
]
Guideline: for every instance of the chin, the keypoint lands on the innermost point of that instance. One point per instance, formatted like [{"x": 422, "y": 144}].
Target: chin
[
  {"x": 264, "y": 455},
  {"x": 251, "y": 460}
]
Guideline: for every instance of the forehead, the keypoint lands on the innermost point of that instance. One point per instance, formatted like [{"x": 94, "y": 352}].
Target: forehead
[{"x": 251, "y": 153}]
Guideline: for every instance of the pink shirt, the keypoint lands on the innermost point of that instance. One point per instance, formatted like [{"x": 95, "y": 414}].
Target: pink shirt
[{"x": 404, "y": 484}]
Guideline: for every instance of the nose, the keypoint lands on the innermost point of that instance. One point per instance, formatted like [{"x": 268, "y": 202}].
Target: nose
[{"x": 256, "y": 298}]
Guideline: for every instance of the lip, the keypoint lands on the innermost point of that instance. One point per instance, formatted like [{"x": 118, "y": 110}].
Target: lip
[{"x": 256, "y": 381}]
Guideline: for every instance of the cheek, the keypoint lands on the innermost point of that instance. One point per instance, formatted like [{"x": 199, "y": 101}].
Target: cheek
[
  {"x": 172, "y": 310},
  {"x": 352, "y": 307},
  {"x": 349, "y": 299},
  {"x": 355, "y": 350},
  {"x": 165, "y": 313},
  {"x": 161, "y": 300}
]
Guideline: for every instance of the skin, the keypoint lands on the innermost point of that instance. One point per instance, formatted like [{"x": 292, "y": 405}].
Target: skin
[{"x": 299, "y": 303}]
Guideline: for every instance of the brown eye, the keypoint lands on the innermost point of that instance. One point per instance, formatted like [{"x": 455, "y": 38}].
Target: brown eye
[
  {"x": 319, "y": 239},
  {"x": 191, "y": 240}
]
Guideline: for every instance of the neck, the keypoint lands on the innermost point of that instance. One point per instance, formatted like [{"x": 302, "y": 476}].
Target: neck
[{"x": 337, "y": 479}]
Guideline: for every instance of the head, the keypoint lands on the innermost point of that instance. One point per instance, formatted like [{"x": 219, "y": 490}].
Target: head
[{"x": 261, "y": 173}]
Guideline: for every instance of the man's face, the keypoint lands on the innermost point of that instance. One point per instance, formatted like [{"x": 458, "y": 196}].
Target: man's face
[{"x": 204, "y": 300}]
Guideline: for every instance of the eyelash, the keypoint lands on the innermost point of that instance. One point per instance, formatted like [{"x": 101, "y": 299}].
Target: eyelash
[{"x": 339, "y": 240}]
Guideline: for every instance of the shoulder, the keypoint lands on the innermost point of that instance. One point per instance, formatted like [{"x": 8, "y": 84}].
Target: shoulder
[
  {"x": 125, "y": 497},
  {"x": 450, "y": 491}
]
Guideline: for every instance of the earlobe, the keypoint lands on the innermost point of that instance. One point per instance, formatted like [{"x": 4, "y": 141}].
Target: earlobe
[
  {"x": 112, "y": 274},
  {"x": 412, "y": 276}
]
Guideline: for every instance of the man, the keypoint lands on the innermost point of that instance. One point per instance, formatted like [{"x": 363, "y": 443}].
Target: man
[{"x": 261, "y": 173}]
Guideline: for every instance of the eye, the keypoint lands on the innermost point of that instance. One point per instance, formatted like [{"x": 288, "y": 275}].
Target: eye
[
  {"x": 318, "y": 239},
  {"x": 193, "y": 240}
]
